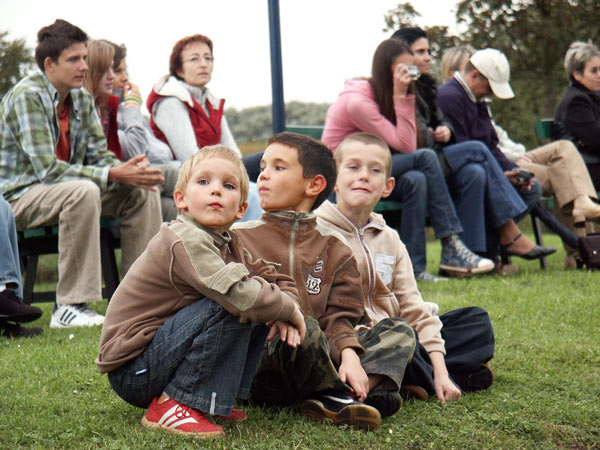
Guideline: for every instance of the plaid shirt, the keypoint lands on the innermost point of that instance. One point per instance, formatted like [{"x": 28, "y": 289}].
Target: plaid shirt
[{"x": 29, "y": 134}]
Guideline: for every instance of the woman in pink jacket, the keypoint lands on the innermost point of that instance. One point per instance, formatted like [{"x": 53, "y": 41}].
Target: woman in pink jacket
[{"x": 385, "y": 106}]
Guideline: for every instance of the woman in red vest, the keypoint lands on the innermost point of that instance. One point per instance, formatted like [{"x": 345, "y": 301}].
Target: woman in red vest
[{"x": 183, "y": 112}]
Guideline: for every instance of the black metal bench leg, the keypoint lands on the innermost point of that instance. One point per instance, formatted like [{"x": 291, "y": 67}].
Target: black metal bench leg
[
  {"x": 539, "y": 238},
  {"x": 30, "y": 264},
  {"x": 110, "y": 271}
]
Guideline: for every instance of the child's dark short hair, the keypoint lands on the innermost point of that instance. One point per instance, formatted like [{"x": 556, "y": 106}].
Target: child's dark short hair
[
  {"x": 53, "y": 39},
  {"x": 314, "y": 157}
]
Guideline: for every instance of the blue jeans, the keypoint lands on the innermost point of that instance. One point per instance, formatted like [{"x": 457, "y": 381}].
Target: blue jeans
[
  {"x": 10, "y": 269},
  {"x": 484, "y": 198},
  {"x": 202, "y": 357},
  {"x": 421, "y": 188}
]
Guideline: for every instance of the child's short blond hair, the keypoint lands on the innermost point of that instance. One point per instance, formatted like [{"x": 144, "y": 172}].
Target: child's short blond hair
[
  {"x": 213, "y": 151},
  {"x": 367, "y": 139}
]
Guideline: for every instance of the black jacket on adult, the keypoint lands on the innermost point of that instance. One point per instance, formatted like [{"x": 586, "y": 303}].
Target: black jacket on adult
[
  {"x": 430, "y": 116},
  {"x": 577, "y": 118}
]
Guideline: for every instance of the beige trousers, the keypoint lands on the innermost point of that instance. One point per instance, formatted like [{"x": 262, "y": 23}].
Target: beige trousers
[
  {"x": 559, "y": 168},
  {"x": 76, "y": 206}
]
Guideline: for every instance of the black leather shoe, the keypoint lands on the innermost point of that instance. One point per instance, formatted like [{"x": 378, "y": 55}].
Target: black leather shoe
[
  {"x": 536, "y": 252},
  {"x": 16, "y": 310}
]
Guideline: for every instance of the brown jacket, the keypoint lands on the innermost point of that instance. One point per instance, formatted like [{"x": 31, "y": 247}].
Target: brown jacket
[
  {"x": 319, "y": 258},
  {"x": 184, "y": 263},
  {"x": 383, "y": 260}
]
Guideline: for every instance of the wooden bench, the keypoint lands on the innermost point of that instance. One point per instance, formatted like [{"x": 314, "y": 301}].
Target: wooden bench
[{"x": 35, "y": 242}]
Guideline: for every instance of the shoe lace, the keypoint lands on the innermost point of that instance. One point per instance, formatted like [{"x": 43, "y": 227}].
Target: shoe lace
[
  {"x": 83, "y": 308},
  {"x": 464, "y": 253},
  {"x": 183, "y": 411}
]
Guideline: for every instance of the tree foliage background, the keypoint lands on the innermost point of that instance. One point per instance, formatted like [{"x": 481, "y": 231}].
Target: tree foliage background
[
  {"x": 15, "y": 61},
  {"x": 534, "y": 35}
]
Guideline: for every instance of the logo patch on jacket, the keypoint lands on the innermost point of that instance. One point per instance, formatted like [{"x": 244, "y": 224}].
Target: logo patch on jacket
[
  {"x": 318, "y": 267},
  {"x": 313, "y": 285}
]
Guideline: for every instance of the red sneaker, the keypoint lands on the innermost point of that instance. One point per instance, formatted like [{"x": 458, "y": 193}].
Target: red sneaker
[
  {"x": 237, "y": 415},
  {"x": 177, "y": 418}
]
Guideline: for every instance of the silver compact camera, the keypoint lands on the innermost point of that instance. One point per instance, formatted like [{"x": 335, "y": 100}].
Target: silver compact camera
[{"x": 413, "y": 71}]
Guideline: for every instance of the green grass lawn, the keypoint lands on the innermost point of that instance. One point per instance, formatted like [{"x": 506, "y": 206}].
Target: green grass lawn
[{"x": 546, "y": 394}]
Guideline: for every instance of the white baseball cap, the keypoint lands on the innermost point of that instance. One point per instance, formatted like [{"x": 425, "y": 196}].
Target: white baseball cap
[{"x": 493, "y": 65}]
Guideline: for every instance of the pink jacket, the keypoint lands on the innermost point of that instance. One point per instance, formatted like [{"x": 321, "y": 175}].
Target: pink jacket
[{"x": 355, "y": 110}]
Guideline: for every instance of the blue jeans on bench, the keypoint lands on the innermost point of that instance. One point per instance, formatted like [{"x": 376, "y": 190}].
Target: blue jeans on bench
[
  {"x": 421, "y": 188},
  {"x": 202, "y": 357},
  {"x": 10, "y": 269},
  {"x": 483, "y": 196}
]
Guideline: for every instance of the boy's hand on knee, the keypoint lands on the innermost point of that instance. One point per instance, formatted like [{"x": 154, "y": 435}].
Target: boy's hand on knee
[
  {"x": 351, "y": 372},
  {"x": 287, "y": 332},
  {"x": 298, "y": 322}
]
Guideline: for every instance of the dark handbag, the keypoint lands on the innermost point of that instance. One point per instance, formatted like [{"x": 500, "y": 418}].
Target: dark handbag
[{"x": 589, "y": 250}]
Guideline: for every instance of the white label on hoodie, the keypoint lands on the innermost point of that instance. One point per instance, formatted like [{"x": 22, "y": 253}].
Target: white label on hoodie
[{"x": 384, "y": 264}]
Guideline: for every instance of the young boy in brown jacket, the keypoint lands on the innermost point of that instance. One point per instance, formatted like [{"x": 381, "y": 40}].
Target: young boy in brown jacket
[
  {"x": 337, "y": 374},
  {"x": 452, "y": 349},
  {"x": 182, "y": 335}
]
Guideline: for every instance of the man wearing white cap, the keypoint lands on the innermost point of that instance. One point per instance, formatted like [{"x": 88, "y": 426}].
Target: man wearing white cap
[
  {"x": 461, "y": 99},
  {"x": 557, "y": 165}
]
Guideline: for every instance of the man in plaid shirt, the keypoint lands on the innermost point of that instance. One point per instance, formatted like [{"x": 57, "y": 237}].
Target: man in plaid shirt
[{"x": 55, "y": 168}]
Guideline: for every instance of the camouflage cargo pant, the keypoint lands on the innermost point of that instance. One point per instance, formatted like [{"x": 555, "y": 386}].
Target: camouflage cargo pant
[{"x": 286, "y": 375}]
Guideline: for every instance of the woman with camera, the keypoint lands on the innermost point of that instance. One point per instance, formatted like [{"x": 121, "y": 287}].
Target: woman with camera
[{"x": 385, "y": 105}]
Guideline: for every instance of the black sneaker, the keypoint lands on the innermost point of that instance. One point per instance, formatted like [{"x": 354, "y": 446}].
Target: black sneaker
[
  {"x": 479, "y": 380},
  {"x": 386, "y": 402},
  {"x": 13, "y": 308},
  {"x": 14, "y": 330},
  {"x": 342, "y": 409}
]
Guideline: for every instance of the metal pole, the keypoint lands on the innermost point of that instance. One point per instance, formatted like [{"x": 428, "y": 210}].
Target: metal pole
[{"x": 278, "y": 105}]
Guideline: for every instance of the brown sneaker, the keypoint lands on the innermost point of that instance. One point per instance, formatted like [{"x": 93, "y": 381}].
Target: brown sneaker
[{"x": 412, "y": 392}]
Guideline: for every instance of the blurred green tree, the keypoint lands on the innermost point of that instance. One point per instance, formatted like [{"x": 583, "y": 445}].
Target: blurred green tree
[
  {"x": 15, "y": 61},
  {"x": 534, "y": 35}
]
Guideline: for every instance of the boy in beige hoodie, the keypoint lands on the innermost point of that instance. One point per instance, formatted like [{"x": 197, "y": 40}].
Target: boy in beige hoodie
[{"x": 452, "y": 349}]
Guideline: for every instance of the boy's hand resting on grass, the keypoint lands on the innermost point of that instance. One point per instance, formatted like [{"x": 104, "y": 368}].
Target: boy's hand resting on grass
[
  {"x": 445, "y": 389},
  {"x": 351, "y": 372}
]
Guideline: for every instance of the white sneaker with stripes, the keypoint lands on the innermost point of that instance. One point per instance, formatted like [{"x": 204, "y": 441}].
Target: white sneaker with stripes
[{"x": 79, "y": 315}]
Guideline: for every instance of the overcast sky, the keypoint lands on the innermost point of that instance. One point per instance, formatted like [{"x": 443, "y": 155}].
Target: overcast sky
[{"x": 323, "y": 41}]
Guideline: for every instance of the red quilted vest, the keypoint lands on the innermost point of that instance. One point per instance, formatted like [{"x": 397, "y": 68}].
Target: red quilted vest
[
  {"x": 112, "y": 137},
  {"x": 207, "y": 127}
]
